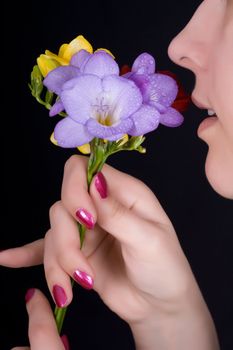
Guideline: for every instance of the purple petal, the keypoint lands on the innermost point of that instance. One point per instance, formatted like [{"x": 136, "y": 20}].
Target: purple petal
[
  {"x": 144, "y": 64},
  {"x": 162, "y": 89},
  {"x": 79, "y": 95},
  {"x": 105, "y": 132},
  {"x": 123, "y": 95},
  {"x": 128, "y": 75},
  {"x": 115, "y": 137},
  {"x": 100, "y": 64},
  {"x": 80, "y": 58},
  {"x": 58, "y": 76},
  {"x": 171, "y": 118},
  {"x": 56, "y": 108},
  {"x": 146, "y": 119},
  {"x": 70, "y": 134},
  {"x": 142, "y": 81}
]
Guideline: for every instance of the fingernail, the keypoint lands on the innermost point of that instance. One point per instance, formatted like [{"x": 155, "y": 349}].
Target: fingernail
[
  {"x": 65, "y": 342},
  {"x": 85, "y": 217},
  {"x": 83, "y": 279},
  {"x": 101, "y": 185},
  {"x": 59, "y": 296},
  {"x": 29, "y": 294}
]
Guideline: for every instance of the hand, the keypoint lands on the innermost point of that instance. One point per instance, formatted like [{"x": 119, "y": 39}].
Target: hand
[
  {"x": 42, "y": 330},
  {"x": 133, "y": 251},
  {"x": 132, "y": 254}
]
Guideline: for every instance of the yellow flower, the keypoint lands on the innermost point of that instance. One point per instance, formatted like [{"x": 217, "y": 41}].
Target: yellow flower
[
  {"x": 50, "y": 60},
  {"x": 46, "y": 64}
]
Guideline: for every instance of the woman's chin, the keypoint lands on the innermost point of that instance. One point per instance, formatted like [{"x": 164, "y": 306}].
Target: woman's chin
[{"x": 219, "y": 173}]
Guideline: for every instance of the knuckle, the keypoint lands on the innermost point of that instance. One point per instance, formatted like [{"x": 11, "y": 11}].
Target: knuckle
[
  {"x": 50, "y": 272},
  {"x": 74, "y": 161},
  {"x": 39, "y": 331},
  {"x": 116, "y": 212},
  {"x": 71, "y": 162},
  {"x": 74, "y": 166},
  {"x": 55, "y": 210},
  {"x": 63, "y": 258}
]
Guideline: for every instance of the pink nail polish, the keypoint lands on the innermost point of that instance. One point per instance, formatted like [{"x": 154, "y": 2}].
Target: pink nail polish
[
  {"x": 65, "y": 342},
  {"x": 83, "y": 279},
  {"x": 59, "y": 296},
  {"x": 101, "y": 185},
  {"x": 29, "y": 294},
  {"x": 85, "y": 217}
]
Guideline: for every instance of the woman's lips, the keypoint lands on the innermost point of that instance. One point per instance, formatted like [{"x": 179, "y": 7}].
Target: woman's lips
[{"x": 206, "y": 123}]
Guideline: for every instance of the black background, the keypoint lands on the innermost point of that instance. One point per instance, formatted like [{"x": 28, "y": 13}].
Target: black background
[{"x": 173, "y": 166}]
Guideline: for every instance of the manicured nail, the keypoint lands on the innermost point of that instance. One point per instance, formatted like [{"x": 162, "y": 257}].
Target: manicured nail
[
  {"x": 85, "y": 217},
  {"x": 59, "y": 296},
  {"x": 65, "y": 342},
  {"x": 83, "y": 279},
  {"x": 29, "y": 294},
  {"x": 101, "y": 185}
]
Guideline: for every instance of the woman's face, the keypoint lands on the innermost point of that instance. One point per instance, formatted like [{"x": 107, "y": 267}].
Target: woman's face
[{"x": 205, "y": 46}]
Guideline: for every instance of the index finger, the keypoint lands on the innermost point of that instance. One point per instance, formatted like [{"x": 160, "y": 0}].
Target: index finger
[{"x": 74, "y": 193}]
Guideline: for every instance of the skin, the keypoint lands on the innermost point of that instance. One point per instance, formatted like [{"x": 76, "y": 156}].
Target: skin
[
  {"x": 143, "y": 275},
  {"x": 209, "y": 55}
]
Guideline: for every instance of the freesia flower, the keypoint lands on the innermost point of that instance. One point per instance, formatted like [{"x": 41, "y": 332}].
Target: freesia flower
[
  {"x": 96, "y": 107},
  {"x": 183, "y": 99},
  {"x": 50, "y": 61},
  {"x": 158, "y": 90}
]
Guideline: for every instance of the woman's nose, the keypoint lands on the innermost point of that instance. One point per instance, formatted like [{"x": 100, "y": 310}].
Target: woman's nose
[
  {"x": 190, "y": 48},
  {"x": 188, "y": 51}
]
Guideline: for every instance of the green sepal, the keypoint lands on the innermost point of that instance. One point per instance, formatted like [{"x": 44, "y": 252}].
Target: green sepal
[{"x": 36, "y": 82}]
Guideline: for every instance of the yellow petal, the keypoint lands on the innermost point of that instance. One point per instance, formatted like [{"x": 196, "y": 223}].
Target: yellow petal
[
  {"x": 109, "y": 52},
  {"x": 85, "y": 149},
  {"x": 60, "y": 60},
  {"x": 52, "y": 139},
  {"x": 75, "y": 46},
  {"x": 62, "y": 49},
  {"x": 46, "y": 64},
  {"x": 123, "y": 140}
]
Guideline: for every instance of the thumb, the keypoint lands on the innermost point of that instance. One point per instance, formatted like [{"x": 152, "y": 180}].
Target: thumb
[
  {"x": 115, "y": 217},
  {"x": 42, "y": 330}
]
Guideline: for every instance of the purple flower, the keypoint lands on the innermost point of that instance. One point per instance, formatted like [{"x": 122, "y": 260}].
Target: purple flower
[
  {"x": 158, "y": 90},
  {"x": 97, "y": 107}
]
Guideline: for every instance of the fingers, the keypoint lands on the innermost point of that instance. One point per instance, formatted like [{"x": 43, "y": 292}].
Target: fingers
[
  {"x": 134, "y": 195},
  {"x": 42, "y": 329},
  {"x": 28, "y": 255},
  {"x": 63, "y": 258},
  {"x": 116, "y": 218},
  {"x": 130, "y": 192}
]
